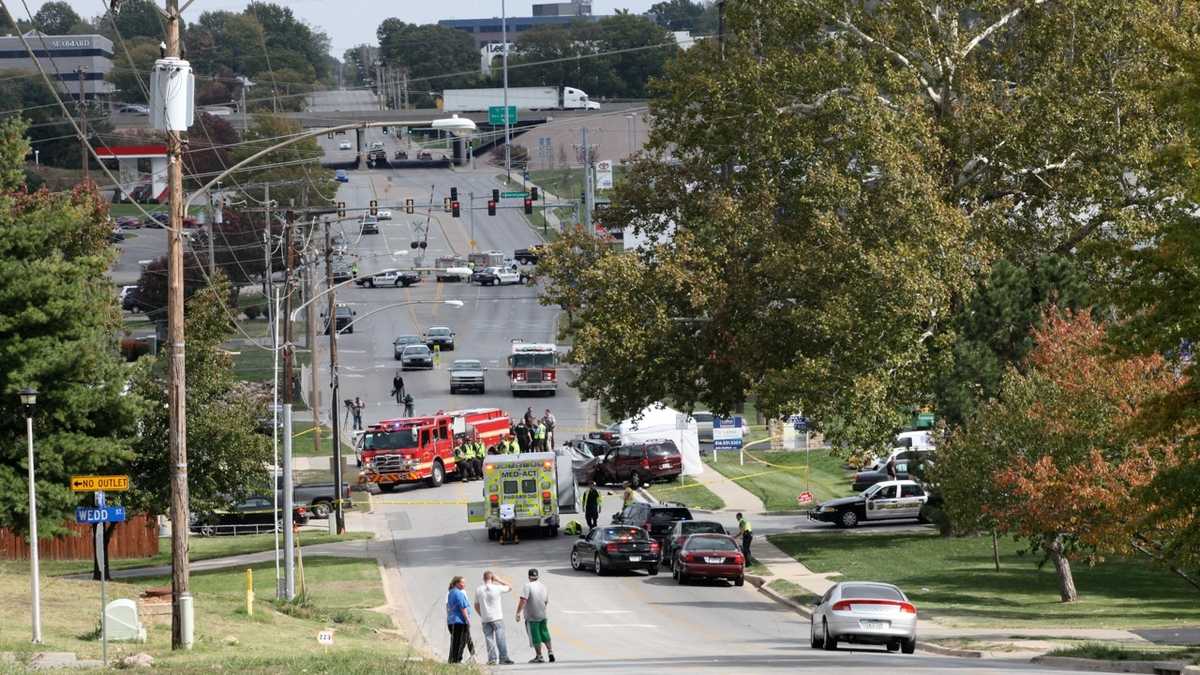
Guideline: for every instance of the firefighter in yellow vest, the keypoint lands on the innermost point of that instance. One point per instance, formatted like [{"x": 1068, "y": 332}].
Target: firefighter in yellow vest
[
  {"x": 463, "y": 461},
  {"x": 539, "y": 437},
  {"x": 480, "y": 454}
]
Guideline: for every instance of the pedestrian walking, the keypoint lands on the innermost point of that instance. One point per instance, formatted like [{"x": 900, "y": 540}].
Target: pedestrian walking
[
  {"x": 458, "y": 619},
  {"x": 534, "y": 600},
  {"x": 357, "y": 409},
  {"x": 549, "y": 421},
  {"x": 491, "y": 615},
  {"x": 398, "y": 387},
  {"x": 408, "y": 405},
  {"x": 591, "y": 505},
  {"x": 746, "y": 531}
]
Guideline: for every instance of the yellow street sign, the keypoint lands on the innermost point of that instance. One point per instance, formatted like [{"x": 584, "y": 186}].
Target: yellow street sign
[{"x": 97, "y": 483}]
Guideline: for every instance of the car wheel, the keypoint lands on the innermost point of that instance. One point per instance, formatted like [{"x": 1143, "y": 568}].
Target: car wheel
[
  {"x": 437, "y": 475},
  {"x": 740, "y": 581},
  {"x": 653, "y": 569},
  {"x": 597, "y": 565},
  {"x": 481, "y": 391},
  {"x": 893, "y": 645},
  {"x": 387, "y": 487},
  {"x": 453, "y": 391},
  {"x": 320, "y": 509},
  {"x": 812, "y": 636},
  {"x": 848, "y": 518},
  {"x": 207, "y": 531},
  {"x": 575, "y": 561},
  {"x": 908, "y": 646},
  {"x": 828, "y": 641},
  {"x": 494, "y": 535}
]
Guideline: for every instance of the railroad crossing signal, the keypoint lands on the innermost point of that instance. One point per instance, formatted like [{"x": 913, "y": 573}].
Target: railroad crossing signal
[
  {"x": 374, "y": 207},
  {"x": 454, "y": 209},
  {"x": 491, "y": 207},
  {"x": 341, "y": 206},
  {"x": 408, "y": 206}
]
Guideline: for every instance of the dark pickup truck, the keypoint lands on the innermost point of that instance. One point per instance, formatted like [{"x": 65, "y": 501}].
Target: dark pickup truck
[
  {"x": 316, "y": 498},
  {"x": 528, "y": 256}
]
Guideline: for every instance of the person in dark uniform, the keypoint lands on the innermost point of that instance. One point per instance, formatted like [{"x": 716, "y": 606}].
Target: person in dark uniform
[
  {"x": 408, "y": 405},
  {"x": 591, "y": 505},
  {"x": 398, "y": 387}
]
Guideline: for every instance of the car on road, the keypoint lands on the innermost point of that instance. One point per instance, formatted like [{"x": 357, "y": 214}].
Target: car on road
[
  {"x": 384, "y": 214},
  {"x": 341, "y": 176},
  {"x": 129, "y": 223},
  {"x": 134, "y": 110},
  {"x": 683, "y": 529},
  {"x": 440, "y": 337},
  {"x": 156, "y": 220},
  {"x": 403, "y": 341},
  {"x": 416, "y": 356},
  {"x": 345, "y": 145},
  {"x": 251, "y": 516},
  {"x": 498, "y": 276},
  {"x": 370, "y": 225},
  {"x": 425, "y": 154},
  {"x": 641, "y": 462},
  {"x": 658, "y": 519},
  {"x": 344, "y": 316},
  {"x": 398, "y": 278},
  {"x": 342, "y": 272},
  {"x": 129, "y": 298},
  {"x": 709, "y": 556},
  {"x": 906, "y": 463},
  {"x": 467, "y": 375},
  {"x": 887, "y": 501},
  {"x": 617, "y": 547},
  {"x": 528, "y": 256},
  {"x": 864, "y": 612}
]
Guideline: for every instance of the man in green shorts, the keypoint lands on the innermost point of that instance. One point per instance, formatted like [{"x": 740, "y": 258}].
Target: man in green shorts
[{"x": 534, "y": 598}]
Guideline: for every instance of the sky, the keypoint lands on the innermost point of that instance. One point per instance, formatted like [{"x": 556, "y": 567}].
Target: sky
[{"x": 352, "y": 22}]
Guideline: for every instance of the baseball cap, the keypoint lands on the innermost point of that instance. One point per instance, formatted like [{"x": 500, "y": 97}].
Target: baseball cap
[{"x": 533, "y": 573}]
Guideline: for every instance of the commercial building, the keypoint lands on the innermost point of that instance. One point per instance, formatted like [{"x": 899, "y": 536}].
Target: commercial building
[
  {"x": 570, "y": 8},
  {"x": 63, "y": 57},
  {"x": 488, "y": 31}
]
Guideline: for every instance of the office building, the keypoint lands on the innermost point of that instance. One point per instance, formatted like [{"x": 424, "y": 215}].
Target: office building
[
  {"x": 61, "y": 56},
  {"x": 488, "y": 31}
]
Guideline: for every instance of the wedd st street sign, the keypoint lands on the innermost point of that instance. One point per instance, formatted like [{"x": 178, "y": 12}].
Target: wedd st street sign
[
  {"x": 98, "y": 483},
  {"x": 92, "y": 515}
]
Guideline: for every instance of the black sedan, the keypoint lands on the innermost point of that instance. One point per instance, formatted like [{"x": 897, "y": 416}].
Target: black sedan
[
  {"x": 616, "y": 547},
  {"x": 254, "y": 515}
]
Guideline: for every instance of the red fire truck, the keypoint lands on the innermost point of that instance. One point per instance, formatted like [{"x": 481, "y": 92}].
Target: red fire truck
[
  {"x": 413, "y": 449},
  {"x": 533, "y": 367}
]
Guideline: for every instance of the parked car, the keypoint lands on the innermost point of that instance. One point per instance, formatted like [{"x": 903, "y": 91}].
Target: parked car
[
  {"x": 864, "y": 612},
  {"x": 341, "y": 176},
  {"x": 343, "y": 318},
  {"x": 424, "y": 154},
  {"x": 316, "y": 498},
  {"x": 384, "y": 214},
  {"x": 156, "y": 220},
  {"x": 709, "y": 556},
  {"x": 398, "y": 278},
  {"x": 589, "y": 448},
  {"x": 400, "y": 154},
  {"x": 370, "y": 225},
  {"x": 683, "y": 529},
  {"x": 641, "y": 462},
  {"x": 583, "y": 462},
  {"x": 439, "y": 336},
  {"x": 134, "y": 110},
  {"x": 251, "y": 516},
  {"x": 128, "y": 223},
  {"x": 704, "y": 425},
  {"x": 416, "y": 356},
  {"x": 618, "y": 547},
  {"x": 610, "y": 434},
  {"x": 468, "y": 375},
  {"x": 403, "y": 341},
  {"x": 658, "y": 519},
  {"x": 906, "y": 463},
  {"x": 342, "y": 272},
  {"x": 528, "y": 256},
  {"x": 889, "y": 500},
  {"x": 345, "y": 145},
  {"x": 116, "y": 235}
]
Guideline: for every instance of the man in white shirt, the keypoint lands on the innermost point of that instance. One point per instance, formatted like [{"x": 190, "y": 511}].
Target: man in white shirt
[
  {"x": 534, "y": 599},
  {"x": 491, "y": 615}
]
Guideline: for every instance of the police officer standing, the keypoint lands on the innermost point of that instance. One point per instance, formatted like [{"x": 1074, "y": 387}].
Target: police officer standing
[
  {"x": 747, "y": 533},
  {"x": 591, "y": 505}
]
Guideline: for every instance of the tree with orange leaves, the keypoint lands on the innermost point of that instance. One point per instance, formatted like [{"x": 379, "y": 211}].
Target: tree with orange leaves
[{"x": 1058, "y": 458}]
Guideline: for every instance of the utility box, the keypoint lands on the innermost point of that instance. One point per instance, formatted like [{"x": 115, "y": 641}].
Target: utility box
[{"x": 172, "y": 95}]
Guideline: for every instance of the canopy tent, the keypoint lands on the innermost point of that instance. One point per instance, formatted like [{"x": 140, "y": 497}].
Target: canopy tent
[{"x": 662, "y": 422}]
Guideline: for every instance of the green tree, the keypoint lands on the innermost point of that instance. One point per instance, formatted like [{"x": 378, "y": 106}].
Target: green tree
[
  {"x": 133, "y": 82},
  {"x": 302, "y": 178},
  {"x": 135, "y": 19},
  {"x": 677, "y": 14},
  {"x": 58, "y": 315},
  {"x": 48, "y": 131},
  {"x": 56, "y": 18},
  {"x": 841, "y": 175},
  {"x": 430, "y": 53}
]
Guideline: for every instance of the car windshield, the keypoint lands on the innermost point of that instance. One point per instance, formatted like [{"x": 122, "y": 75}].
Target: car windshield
[
  {"x": 866, "y": 592},
  {"x": 439, "y": 332},
  {"x": 625, "y": 534},
  {"x": 534, "y": 360},
  {"x": 407, "y": 340},
  {"x": 698, "y": 527},
  {"x": 662, "y": 450},
  {"x": 389, "y": 440},
  {"x": 703, "y": 543},
  {"x": 671, "y": 514},
  {"x": 416, "y": 350},
  {"x": 465, "y": 365}
]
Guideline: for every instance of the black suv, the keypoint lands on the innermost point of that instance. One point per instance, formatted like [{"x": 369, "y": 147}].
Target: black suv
[
  {"x": 344, "y": 315},
  {"x": 658, "y": 520}
]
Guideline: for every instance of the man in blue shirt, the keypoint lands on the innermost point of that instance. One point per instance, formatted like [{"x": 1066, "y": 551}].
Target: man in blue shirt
[{"x": 458, "y": 618}]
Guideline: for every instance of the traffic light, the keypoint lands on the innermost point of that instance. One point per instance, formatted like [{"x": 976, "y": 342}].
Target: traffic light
[
  {"x": 374, "y": 207},
  {"x": 454, "y": 208},
  {"x": 491, "y": 207},
  {"x": 385, "y": 131},
  {"x": 496, "y": 195},
  {"x": 533, "y": 193},
  {"x": 446, "y": 204},
  {"x": 330, "y": 135},
  {"x": 341, "y": 209},
  {"x": 453, "y": 194},
  {"x": 408, "y": 206},
  {"x": 528, "y": 206}
]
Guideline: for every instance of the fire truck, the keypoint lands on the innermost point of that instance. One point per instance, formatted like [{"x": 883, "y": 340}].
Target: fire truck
[
  {"x": 533, "y": 367},
  {"x": 414, "y": 449}
]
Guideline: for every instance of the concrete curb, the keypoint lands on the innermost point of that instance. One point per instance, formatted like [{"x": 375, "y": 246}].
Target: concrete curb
[
  {"x": 948, "y": 651},
  {"x": 1097, "y": 665}
]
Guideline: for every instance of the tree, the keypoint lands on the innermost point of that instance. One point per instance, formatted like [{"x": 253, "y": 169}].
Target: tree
[
  {"x": 58, "y": 315},
  {"x": 1058, "y": 457},
  {"x": 135, "y": 19},
  {"x": 302, "y": 176},
  {"x": 56, "y": 18},
  {"x": 432, "y": 54},
  {"x": 677, "y": 14},
  {"x": 842, "y": 175},
  {"x": 210, "y": 143},
  {"x": 133, "y": 82},
  {"x": 48, "y": 131}
]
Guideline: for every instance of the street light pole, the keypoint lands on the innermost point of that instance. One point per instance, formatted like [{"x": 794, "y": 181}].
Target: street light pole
[
  {"x": 28, "y": 401},
  {"x": 507, "y": 127},
  {"x": 331, "y": 326}
]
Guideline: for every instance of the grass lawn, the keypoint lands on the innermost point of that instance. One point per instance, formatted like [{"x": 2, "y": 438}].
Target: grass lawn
[
  {"x": 568, "y": 183},
  {"x": 792, "y": 592},
  {"x": 273, "y": 640},
  {"x": 302, "y": 442},
  {"x": 687, "y": 491},
  {"x": 1111, "y": 652},
  {"x": 953, "y": 581},
  {"x": 778, "y": 485}
]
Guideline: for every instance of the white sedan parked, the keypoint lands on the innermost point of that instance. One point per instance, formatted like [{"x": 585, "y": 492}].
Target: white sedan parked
[
  {"x": 865, "y": 612},
  {"x": 384, "y": 214}
]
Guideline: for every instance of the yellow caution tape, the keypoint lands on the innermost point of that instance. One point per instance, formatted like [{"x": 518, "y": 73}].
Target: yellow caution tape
[{"x": 421, "y": 502}]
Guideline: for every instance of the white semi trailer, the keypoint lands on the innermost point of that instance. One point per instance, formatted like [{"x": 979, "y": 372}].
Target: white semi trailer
[{"x": 523, "y": 98}]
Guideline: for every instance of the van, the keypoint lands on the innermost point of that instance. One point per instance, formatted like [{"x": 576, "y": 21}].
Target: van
[{"x": 641, "y": 462}]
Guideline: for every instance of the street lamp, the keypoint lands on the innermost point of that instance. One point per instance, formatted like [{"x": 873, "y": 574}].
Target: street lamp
[{"x": 28, "y": 402}]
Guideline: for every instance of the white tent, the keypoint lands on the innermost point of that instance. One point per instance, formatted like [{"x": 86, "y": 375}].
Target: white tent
[{"x": 661, "y": 422}]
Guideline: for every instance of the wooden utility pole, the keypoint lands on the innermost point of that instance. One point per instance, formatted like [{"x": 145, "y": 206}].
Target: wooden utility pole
[
  {"x": 181, "y": 597},
  {"x": 331, "y": 326},
  {"x": 310, "y": 292}
]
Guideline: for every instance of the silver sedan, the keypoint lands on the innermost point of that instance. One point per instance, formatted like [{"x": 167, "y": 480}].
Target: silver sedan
[{"x": 865, "y": 612}]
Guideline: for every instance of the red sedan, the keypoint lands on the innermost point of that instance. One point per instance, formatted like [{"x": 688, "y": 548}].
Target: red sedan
[{"x": 709, "y": 556}]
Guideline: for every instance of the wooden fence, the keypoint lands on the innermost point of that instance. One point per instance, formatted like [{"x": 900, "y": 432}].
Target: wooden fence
[{"x": 134, "y": 538}]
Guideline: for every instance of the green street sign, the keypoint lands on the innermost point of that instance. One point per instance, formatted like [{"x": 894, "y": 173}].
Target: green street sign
[
  {"x": 514, "y": 195},
  {"x": 496, "y": 114}
]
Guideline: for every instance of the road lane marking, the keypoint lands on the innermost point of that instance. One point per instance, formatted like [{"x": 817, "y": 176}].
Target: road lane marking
[
  {"x": 597, "y": 611},
  {"x": 620, "y": 625}
]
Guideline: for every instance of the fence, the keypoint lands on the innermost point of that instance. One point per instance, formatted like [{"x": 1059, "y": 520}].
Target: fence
[{"x": 134, "y": 538}]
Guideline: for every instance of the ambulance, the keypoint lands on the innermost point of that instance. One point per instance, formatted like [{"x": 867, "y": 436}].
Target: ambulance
[{"x": 537, "y": 484}]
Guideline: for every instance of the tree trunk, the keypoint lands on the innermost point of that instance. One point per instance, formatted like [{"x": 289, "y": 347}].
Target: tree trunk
[
  {"x": 1053, "y": 545},
  {"x": 995, "y": 551}
]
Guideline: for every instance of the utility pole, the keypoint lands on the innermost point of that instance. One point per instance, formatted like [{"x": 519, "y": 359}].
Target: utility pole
[
  {"x": 310, "y": 289},
  {"x": 507, "y": 122},
  {"x": 181, "y": 596},
  {"x": 331, "y": 326},
  {"x": 245, "y": 125},
  {"x": 404, "y": 84},
  {"x": 589, "y": 184},
  {"x": 83, "y": 144},
  {"x": 217, "y": 219}
]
